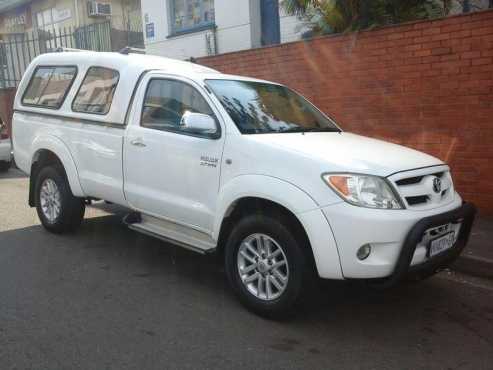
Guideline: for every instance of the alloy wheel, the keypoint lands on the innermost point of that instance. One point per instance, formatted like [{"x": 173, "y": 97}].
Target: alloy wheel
[
  {"x": 51, "y": 200},
  {"x": 263, "y": 266}
]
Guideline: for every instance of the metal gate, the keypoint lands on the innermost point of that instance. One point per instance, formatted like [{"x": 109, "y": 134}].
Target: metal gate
[
  {"x": 95, "y": 37},
  {"x": 17, "y": 50}
]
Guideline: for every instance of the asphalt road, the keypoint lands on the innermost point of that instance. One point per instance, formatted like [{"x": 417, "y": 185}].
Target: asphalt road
[{"x": 109, "y": 298}]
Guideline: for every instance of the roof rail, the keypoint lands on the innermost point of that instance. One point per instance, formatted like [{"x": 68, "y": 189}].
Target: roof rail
[
  {"x": 130, "y": 50},
  {"x": 61, "y": 49}
]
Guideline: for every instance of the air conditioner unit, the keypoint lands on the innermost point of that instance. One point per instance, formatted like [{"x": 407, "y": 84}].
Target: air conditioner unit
[{"x": 98, "y": 9}]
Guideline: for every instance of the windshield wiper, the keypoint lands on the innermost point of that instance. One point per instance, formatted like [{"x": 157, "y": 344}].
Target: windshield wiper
[
  {"x": 323, "y": 129},
  {"x": 293, "y": 129},
  {"x": 312, "y": 129}
]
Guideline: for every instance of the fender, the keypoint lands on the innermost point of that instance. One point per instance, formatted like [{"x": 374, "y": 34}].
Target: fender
[
  {"x": 298, "y": 202},
  {"x": 261, "y": 186},
  {"x": 59, "y": 148}
]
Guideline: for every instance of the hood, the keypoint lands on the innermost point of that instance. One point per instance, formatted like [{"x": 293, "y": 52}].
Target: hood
[{"x": 348, "y": 152}]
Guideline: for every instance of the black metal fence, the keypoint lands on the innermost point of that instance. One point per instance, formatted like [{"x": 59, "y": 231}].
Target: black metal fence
[{"x": 18, "y": 50}]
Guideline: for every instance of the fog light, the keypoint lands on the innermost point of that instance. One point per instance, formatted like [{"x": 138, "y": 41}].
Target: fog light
[{"x": 363, "y": 252}]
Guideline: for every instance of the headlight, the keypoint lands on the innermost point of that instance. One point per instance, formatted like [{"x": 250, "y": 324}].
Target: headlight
[{"x": 363, "y": 190}]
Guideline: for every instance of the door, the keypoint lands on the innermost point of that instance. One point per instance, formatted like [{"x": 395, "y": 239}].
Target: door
[
  {"x": 170, "y": 172},
  {"x": 270, "y": 23}
]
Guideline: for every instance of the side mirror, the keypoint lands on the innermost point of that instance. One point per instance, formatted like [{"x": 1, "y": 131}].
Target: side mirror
[{"x": 198, "y": 123}]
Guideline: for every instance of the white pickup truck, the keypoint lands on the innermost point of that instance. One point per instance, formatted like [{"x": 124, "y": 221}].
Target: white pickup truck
[{"x": 234, "y": 165}]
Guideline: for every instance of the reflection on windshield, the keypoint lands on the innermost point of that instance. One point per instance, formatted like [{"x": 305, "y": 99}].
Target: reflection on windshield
[{"x": 258, "y": 107}]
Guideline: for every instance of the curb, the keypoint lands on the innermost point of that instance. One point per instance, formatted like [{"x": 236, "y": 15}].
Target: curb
[{"x": 476, "y": 266}]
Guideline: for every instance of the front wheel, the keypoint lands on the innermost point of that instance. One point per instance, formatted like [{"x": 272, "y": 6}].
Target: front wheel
[
  {"x": 265, "y": 265},
  {"x": 58, "y": 209}
]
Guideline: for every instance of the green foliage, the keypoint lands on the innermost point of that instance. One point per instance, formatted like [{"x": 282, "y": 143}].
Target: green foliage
[{"x": 335, "y": 16}]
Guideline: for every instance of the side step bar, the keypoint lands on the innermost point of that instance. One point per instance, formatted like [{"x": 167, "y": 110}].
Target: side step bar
[{"x": 170, "y": 232}]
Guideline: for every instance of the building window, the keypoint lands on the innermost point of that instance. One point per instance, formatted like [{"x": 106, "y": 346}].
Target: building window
[
  {"x": 191, "y": 15},
  {"x": 49, "y": 20},
  {"x": 46, "y": 20}
]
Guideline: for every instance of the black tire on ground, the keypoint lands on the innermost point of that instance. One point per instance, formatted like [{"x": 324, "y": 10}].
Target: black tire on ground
[
  {"x": 4, "y": 166},
  {"x": 299, "y": 269},
  {"x": 72, "y": 208}
]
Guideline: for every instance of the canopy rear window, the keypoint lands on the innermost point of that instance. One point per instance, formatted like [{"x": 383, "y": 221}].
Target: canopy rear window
[
  {"x": 96, "y": 92},
  {"x": 49, "y": 86}
]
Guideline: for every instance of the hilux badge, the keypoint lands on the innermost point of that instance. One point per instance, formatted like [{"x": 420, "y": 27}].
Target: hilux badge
[
  {"x": 437, "y": 185},
  {"x": 208, "y": 161}
]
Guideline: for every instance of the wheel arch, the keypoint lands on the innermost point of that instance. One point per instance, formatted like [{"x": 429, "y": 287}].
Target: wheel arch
[
  {"x": 272, "y": 195},
  {"x": 52, "y": 151}
]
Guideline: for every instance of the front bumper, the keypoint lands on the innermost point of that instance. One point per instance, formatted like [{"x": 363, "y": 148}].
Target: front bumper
[
  {"x": 403, "y": 269},
  {"x": 386, "y": 231}
]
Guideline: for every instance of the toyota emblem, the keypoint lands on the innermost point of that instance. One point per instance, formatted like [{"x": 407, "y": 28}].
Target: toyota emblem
[{"x": 437, "y": 185}]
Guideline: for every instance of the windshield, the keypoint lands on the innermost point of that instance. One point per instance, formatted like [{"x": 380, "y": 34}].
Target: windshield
[{"x": 258, "y": 108}]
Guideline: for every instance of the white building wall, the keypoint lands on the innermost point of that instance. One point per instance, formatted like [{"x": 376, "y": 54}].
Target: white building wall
[
  {"x": 122, "y": 10},
  {"x": 233, "y": 25},
  {"x": 233, "y": 20},
  {"x": 291, "y": 27}
]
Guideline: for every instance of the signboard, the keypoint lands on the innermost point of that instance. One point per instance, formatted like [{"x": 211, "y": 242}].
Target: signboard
[
  {"x": 17, "y": 20},
  {"x": 18, "y": 17},
  {"x": 150, "y": 30}
]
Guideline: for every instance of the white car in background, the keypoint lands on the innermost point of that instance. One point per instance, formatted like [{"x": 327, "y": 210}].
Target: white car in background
[
  {"x": 5, "y": 147},
  {"x": 234, "y": 165}
]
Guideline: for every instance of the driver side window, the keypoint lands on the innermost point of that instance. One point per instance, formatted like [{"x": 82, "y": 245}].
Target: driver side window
[{"x": 167, "y": 100}]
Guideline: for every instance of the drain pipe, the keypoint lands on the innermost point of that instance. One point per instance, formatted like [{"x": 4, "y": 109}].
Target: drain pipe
[
  {"x": 77, "y": 20},
  {"x": 214, "y": 32}
]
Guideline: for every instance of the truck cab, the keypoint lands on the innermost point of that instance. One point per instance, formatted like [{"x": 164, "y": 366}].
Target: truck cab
[{"x": 233, "y": 165}]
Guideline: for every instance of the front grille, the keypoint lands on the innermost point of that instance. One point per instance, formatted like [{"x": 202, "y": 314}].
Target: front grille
[
  {"x": 416, "y": 179},
  {"x": 409, "y": 181},
  {"x": 417, "y": 187},
  {"x": 417, "y": 200}
]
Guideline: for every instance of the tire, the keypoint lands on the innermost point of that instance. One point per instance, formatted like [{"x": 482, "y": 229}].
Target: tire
[
  {"x": 277, "y": 234},
  {"x": 70, "y": 209},
  {"x": 4, "y": 166}
]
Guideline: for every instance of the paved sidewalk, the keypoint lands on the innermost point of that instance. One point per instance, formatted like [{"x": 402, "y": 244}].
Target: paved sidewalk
[{"x": 477, "y": 257}]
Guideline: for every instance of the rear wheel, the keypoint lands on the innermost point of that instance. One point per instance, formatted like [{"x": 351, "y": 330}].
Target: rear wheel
[
  {"x": 4, "y": 166},
  {"x": 265, "y": 265},
  {"x": 58, "y": 209}
]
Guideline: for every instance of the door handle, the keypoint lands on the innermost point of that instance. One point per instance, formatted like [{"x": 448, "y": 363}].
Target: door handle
[{"x": 138, "y": 142}]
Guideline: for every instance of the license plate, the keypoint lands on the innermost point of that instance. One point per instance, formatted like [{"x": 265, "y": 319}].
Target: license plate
[{"x": 441, "y": 244}]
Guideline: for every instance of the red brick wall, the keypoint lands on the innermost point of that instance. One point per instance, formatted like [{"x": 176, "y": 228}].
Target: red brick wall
[{"x": 427, "y": 85}]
